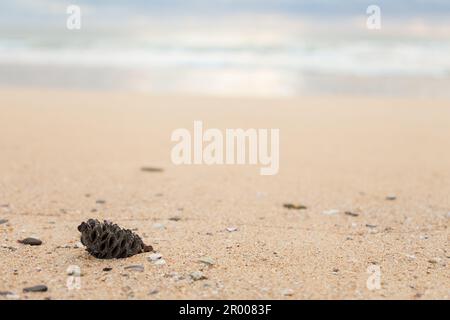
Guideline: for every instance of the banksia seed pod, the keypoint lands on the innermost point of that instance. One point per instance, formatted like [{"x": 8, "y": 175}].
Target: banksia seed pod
[{"x": 105, "y": 240}]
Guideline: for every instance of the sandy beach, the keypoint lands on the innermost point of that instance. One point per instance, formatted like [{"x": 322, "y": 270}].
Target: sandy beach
[{"x": 373, "y": 174}]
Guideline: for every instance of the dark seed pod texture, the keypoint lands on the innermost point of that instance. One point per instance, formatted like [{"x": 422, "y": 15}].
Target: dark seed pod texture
[{"x": 106, "y": 240}]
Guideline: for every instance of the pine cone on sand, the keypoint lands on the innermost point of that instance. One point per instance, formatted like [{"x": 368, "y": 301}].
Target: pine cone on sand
[{"x": 106, "y": 240}]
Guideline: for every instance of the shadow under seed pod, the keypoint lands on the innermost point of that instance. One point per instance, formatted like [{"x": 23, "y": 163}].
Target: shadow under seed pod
[{"x": 106, "y": 240}]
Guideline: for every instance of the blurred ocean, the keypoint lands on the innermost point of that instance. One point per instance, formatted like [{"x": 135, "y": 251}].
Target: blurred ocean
[{"x": 226, "y": 47}]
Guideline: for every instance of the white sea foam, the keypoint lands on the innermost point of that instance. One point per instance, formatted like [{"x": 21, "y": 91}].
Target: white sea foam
[{"x": 279, "y": 56}]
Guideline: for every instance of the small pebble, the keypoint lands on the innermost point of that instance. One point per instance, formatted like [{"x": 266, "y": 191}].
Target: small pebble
[
  {"x": 287, "y": 292},
  {"x": 206, "y": 260},
  {"x": 13, "y": 296},
  {"x": 352, "y": 214},
  {"x": 154, "y": 257},
  {"x": 294, "y": 206},
  {"x": 2, "y": 221},
  {"x": 331, "y": 212},
  {"x": 232, "y": 229},
  {"x": 175, "y": 218},
  {"x": 38, "y": 288},
  {"x": 107, "y": 269},
  {"x": 160, "y": 262},
  {"x": 78, "y": 245},
  {"x": 153, "y": 292},
  {"x": 5, "y": 246},
  {"x": 371, "y": 226},
  {"x": 100, "y": 201},
  {"x": 197, "y": 275},
  {"x": 391, "y": 198},
  {"x": 31, "y": 241},
  {"x": 5, "y": 293},
  {"x": 175, "y": 276},
  {"x": 74, "y": 272},
  {"x": 136, "y": 267},
  {"x": 158, "y": 226},
  {"x": 151, "y": 169}
]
